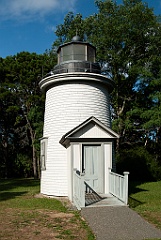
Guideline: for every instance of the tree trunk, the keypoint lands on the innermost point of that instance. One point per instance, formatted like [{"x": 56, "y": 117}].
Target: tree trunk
[
  {"x": 34, "y": 161},
  {"x": 34, "y": 156},
  {"x": 38, "y": 167},
  {"x": 5, "y": 157}
]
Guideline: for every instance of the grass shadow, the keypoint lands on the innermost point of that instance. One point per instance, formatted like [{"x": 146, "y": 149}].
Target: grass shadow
[
  {"x": 9, "y": 184},
  {"x": 133, "y": 203},
  {"x": 10, "y": 195},
  {"x": 133, "y": 189},
  {"x": 12, "y": 188}
]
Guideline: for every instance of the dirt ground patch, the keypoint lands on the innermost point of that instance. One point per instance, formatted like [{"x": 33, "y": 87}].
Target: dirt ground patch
[{"x": 40, "y": 224}]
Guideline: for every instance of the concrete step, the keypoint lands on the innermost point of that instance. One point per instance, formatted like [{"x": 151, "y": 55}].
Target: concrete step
[{"x": 103, "y": 200}]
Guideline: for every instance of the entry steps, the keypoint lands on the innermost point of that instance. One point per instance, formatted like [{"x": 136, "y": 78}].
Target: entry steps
[{"x": 93, "y": 199}]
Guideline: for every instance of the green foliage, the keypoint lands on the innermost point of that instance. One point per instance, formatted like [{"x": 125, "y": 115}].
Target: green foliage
[
  {"x": 23, "y": 166},
  {"x": 141, "y": 164},
  {"x": 21, "y": 111},
  {"x": 73, "y": 25}
]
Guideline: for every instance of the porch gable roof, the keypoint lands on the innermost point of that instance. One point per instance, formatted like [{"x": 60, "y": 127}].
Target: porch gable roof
[{"x": 91, "y": 128}]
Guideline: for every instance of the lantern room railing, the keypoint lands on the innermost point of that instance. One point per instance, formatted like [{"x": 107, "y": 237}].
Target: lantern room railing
[{"x": 77, "y": 66}]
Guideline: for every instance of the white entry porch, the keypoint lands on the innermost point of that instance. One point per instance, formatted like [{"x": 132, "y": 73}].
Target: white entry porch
[
  {"x": 84, "y": 195},
  {"x": 90, "y": 158}
]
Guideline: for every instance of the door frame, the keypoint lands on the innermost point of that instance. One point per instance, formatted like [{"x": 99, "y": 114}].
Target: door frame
[
  {"x": 101, "y": 173},
  {"x": 75, "y": 161}
]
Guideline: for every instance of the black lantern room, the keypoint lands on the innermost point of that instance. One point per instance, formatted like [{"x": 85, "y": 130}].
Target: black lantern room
[{"x": 76, "y": 56}]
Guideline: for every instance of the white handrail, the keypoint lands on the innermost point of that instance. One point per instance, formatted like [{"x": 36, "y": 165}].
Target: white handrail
[
  {"x": 78, "y": 189},
  {"x": 118, "y": 185}
]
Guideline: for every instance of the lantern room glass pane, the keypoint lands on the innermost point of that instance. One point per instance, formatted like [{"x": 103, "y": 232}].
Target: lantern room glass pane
[
  {"x": 90, "y": 54},
  {"x": 79, "y": 52},
  {"x": 67, "y": 53}
]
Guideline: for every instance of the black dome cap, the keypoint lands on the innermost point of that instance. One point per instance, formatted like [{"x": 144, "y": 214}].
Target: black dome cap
[{"x": 76, "y": 38}]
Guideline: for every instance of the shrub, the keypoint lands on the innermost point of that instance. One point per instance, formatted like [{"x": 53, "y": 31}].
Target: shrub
[{"x": 139, "y": 162}]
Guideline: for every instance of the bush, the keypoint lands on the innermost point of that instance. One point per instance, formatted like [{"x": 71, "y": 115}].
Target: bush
[
  {"x": 139, "y": 162},
  {"x": 23, "y": 166}
]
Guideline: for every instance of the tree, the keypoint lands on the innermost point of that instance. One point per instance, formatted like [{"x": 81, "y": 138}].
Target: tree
[
  {"x": 8, "y": 112},
  {"x": 73, "y": 25},
  {"x": 124, "y": 38},
  {"x": 23, "y": 104}
]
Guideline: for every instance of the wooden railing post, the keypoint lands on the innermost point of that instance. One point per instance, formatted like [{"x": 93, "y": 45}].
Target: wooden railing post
[
  {"x": 82, "y": 200},
  {"x": 109, "y": 178},
  {"x": 78, "y": 189},
  {"x": 118, "y": 185},
  {"x": 126, "y": 187},
  {"x": 74, "y": 172}
]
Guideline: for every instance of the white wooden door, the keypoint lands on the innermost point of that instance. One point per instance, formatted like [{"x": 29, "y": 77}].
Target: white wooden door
[{"x": 92, "y": 166}]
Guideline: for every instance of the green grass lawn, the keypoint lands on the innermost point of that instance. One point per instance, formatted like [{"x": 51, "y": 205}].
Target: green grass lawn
[
  {"x": 145, "y": 198},
  {"x": 22, "y": 213},
  {"x": 43, "y": 218}
]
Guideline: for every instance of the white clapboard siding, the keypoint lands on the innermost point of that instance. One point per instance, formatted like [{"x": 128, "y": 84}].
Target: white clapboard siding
[
  {"x": 92, "y": 131},
  {"x": 67, "y": 105}
]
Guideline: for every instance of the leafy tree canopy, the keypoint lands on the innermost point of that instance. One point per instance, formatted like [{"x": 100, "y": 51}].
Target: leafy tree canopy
[{"x": 22, "y": 108}]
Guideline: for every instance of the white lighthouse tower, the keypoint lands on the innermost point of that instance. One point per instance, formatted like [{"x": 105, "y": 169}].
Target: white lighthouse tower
[{"x": 77, "y": 133}]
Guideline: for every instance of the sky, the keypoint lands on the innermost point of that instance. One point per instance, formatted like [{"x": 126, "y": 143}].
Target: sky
[{"x": 29, "y": 25}]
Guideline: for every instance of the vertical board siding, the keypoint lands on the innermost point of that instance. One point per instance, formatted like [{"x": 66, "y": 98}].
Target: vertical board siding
[{"x": 68, "y": 105}]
